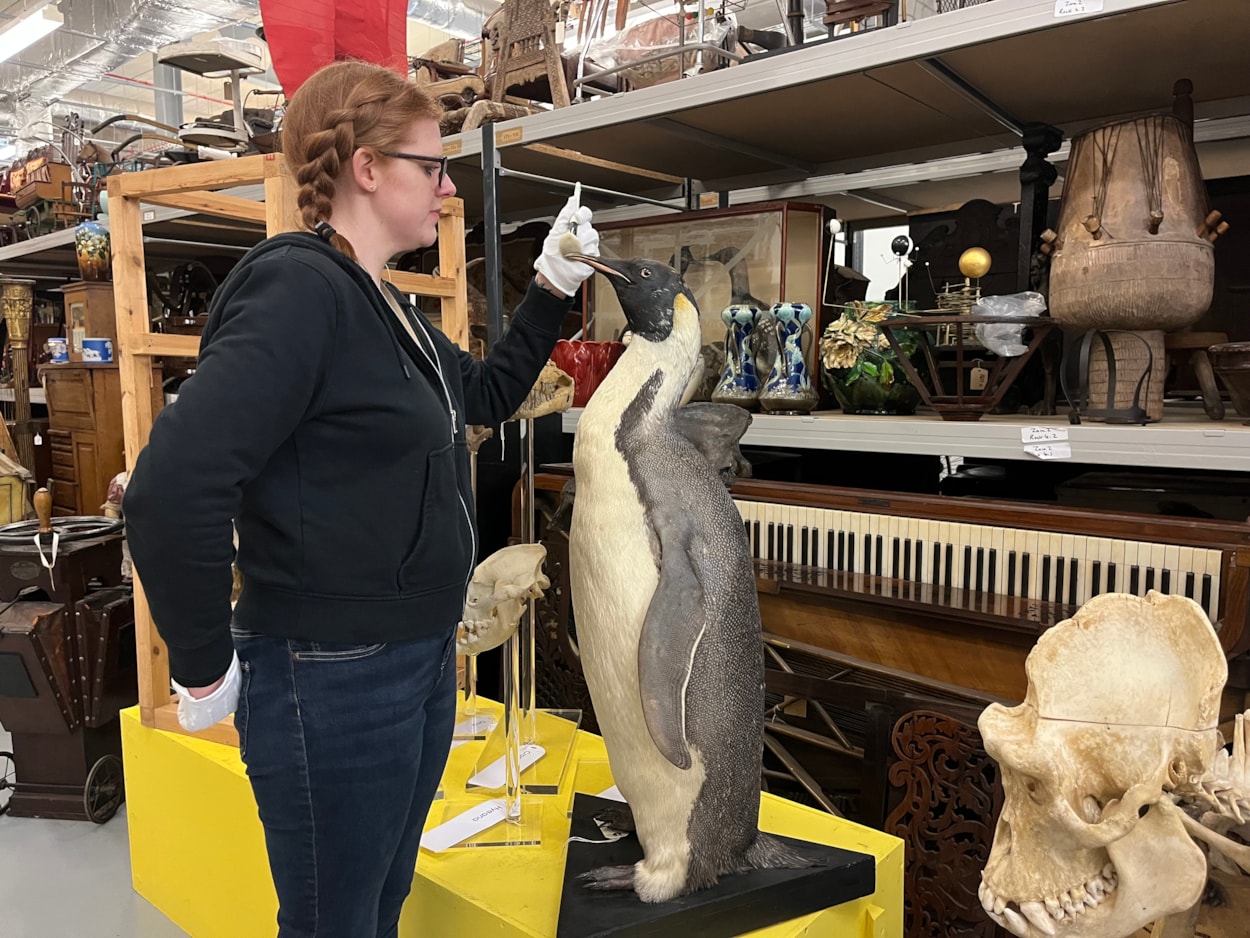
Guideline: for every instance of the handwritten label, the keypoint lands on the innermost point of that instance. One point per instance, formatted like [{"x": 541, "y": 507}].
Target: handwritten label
[
  {"x": 479, "y": 818},
  {"x": 505, "y": 137},
  {"x": 1049, "y": 450},
  {"x": 1043, "y": 434},
  {"x": 452, "y": 147},
  {"x": 1076, "y": 7},
  {"x": 493, "y": 775}
]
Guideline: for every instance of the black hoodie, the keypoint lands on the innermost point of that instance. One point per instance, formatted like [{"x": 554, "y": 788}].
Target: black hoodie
[{"x": 330, "y": 438}]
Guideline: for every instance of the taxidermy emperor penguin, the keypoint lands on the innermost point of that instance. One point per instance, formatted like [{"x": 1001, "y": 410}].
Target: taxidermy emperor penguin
[{"x": 668, "y": 620}]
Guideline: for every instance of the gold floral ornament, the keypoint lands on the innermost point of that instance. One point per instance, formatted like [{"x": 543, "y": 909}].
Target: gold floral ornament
[
  {"x": 853, "y": 333},
  {"x": 552, "y": 394}
]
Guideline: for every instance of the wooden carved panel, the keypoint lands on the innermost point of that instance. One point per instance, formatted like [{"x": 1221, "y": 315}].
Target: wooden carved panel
[{"x": 952, "y": 795}]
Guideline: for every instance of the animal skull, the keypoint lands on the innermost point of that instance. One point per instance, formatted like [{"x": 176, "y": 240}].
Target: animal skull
[
  {"x": 1121, "y": 713},
  {"x": 501, "y": 586}
]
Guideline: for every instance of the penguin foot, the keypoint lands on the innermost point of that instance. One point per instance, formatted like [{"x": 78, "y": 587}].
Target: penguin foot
[
  {"x": 609, "y": 877},
  {"x": 618, "y": 818}
]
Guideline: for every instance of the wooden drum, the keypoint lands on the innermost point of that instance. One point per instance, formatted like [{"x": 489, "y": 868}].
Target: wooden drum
[{"x": 1133, "y": 250}]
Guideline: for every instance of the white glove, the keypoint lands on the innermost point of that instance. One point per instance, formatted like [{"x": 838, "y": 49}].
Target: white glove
[
  {"x": 195, "y": 715},
  {"x": 571, "y": 233}
]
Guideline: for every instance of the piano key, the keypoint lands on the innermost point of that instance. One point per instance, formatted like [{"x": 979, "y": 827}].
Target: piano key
[
  {"x": 1074, "y": 582},
  {"x": 906, "y": 568},
  {"x": 1134, "y": 580},
  {"x": 755, "y": 539},
  {"x": 1205, "y": 601},
  {"x": 1189, "y": 584},
  {"x": 948, "y": 565},
  {"x": 982, "y": 581},
  {"x": 998, "y": 564},
  {"x": 1165, "y": 582},
  {"x": 1096, "y": 579},
  {"x": 879, "y": 556},
  {"x": 918, "y": 560},
  {"x": 1215, "y": 569},
  {"x": 966, "y": 580},
  {"x": 789, "y": 543},
  {"x": 896, "y": 557},
  {"x": 803, "y": 555},
  {"x": 1185, "y": 566},
  {"x": 1158, "y": 560},
  {"x": 1011, "y": 573},
  {"x": 1150, "y": 579},
  {"x": 1044, "y": 586},
  {"x": 1171, "y": 567},
  {"x": 829, "y": 553},
  {"x": 1111, "y": 578}
]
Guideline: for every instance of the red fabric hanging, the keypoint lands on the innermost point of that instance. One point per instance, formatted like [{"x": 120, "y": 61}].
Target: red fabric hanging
[{"x": 304, "y": 35}]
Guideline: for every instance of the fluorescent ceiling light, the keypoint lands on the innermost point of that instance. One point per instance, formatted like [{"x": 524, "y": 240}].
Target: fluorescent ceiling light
[{"x": 28, "y": 30}]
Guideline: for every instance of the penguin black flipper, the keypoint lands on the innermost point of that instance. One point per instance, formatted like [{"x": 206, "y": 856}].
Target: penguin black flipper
[
  {"x": 671, "y": 632},
  {"x": 715, "y": 430}
]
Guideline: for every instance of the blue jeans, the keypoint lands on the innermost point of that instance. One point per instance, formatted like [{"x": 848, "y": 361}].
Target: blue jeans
[{"x": 344, "y": 745}]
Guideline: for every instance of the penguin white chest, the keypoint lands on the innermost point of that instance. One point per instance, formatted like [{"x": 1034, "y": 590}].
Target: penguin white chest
[{"x": 614, "y": 573}]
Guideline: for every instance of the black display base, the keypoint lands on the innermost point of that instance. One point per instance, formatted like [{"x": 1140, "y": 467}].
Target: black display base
[{"x": 736, "y": 905}]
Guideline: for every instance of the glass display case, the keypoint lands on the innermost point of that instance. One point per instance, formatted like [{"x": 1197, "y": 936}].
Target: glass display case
[{"x": 759, "y": 255}]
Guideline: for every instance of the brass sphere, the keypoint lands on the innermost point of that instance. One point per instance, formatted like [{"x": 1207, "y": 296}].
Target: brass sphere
[{"x": 974, "y": 263}]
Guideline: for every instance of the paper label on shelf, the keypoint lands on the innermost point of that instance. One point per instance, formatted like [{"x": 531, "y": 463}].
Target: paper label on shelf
[
  {"x": 493, "y": 775},
  {"x": 453, "y": 147},
  {"x": 612, "y": 794},
  {"x": 1077, "y": 7},
  {"x": 512, "y": 135},
  {"x": 1043, "y": 434},
  {"x": 1049, "y": 450},
  {"x": 478, "y": 724},
  {"x": 709, "y": 199},
  {"x": 479, "y": 818}
]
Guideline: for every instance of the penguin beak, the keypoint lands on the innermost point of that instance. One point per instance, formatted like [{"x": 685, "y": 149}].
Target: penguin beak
[{"x": 605, "y": 267}]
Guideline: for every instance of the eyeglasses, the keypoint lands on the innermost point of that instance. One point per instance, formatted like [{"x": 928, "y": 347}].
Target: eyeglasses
[{"x": 440, "y": 160}]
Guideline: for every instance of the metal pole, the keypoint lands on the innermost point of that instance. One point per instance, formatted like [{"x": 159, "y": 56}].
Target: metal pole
[
  {"x": 531, "y": 536},
  {"x": 565, "y": 184},
  {"x": 494, "y": 249}
]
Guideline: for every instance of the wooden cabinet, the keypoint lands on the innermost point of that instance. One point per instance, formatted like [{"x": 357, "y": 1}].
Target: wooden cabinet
[
  {"x": 88, "y": 315},
  {"x": 85, "y": 433}
]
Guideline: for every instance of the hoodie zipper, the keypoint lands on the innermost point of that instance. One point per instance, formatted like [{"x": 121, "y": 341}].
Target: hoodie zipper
[{"x": 451, "y": 410}]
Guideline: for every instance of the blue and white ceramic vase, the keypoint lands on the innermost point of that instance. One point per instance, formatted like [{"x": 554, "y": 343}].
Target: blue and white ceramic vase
[
  {"x": 739, "y": 383},
  {"x": 788, "y": 389}
]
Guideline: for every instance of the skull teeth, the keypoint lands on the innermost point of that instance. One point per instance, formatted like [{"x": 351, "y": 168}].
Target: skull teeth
[
  {"x": 1036, "y": 913},
  {"x": 1043, "y": 913}
]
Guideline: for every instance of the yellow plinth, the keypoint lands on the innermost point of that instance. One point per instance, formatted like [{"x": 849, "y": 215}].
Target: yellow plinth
[{"x": 197, "y": 852}]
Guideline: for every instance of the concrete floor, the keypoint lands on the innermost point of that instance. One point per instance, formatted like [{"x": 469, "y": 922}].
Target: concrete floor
[{"x": 71, "y": 879}]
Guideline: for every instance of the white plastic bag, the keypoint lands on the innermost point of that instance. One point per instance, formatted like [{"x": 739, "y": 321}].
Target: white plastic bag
[{"x": 1003, "y": 338}]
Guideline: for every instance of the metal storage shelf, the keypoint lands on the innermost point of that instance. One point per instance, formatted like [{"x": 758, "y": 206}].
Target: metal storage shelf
[
  {"x": 1185, "y": 439},
  {"x": 881, "y": 98}
]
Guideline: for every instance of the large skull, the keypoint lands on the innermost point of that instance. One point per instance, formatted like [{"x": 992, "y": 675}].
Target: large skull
[
  {"x": 501, "y": 586},
  {"x": 1122, "y": 706}
]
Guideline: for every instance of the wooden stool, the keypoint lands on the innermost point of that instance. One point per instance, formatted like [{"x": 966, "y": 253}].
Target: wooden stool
[{"x": 1197, "y": 343}]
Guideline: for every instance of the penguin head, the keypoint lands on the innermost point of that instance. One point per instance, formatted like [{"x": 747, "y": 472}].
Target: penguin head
[{"x": 648, "y": 291}]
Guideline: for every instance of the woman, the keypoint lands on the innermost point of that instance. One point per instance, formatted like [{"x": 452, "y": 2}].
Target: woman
[{"x": 326, "y": 420}]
